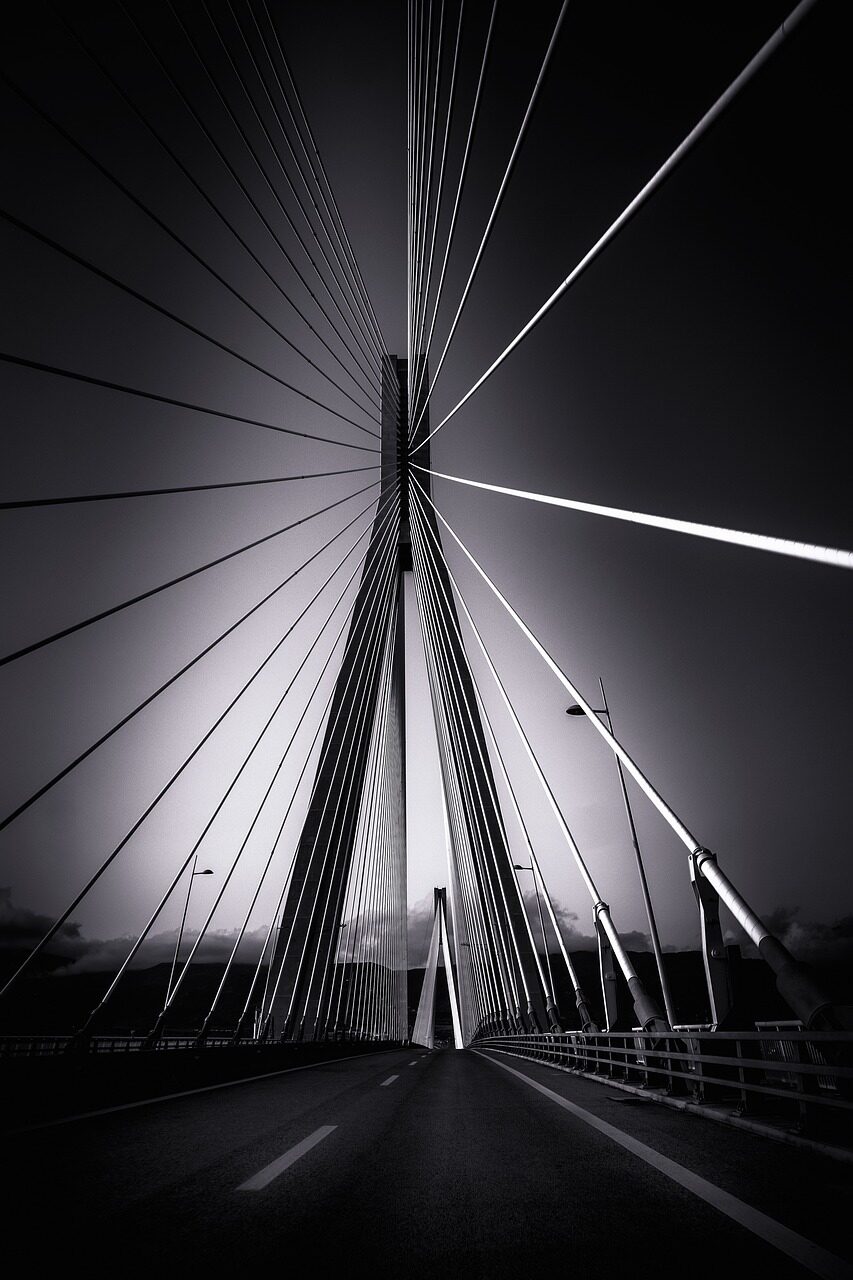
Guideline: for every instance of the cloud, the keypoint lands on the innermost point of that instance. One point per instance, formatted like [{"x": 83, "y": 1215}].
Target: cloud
[
  {"x": 21, "y": 929},
  {"x": 419, "y": 928},
  {"x": 811, "y": 940},
  {"x": 108, "y": 954},
  {"x": 576, "y": 940}
]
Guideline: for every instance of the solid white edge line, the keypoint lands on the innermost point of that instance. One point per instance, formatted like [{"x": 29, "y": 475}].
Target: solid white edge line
[
  {"x": 271, "y": 1171},
  {"x": 390, "y": 1080},
  {"x": 188, "y": 1093},
  {"x": 808, "y": 1254}
]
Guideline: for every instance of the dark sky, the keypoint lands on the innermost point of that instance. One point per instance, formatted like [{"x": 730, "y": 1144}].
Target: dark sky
[{"x": 698, "y": 370}]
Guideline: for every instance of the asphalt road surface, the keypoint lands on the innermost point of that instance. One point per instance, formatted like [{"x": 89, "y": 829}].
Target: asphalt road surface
[{"x": 412, "y": 1164}]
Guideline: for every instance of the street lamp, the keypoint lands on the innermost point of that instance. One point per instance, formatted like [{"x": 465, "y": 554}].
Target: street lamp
[
  {"x": 193, "y": 874},
  {"x": 343, "y": 945},
  {"x": 575, "y": 710},
  {"x": 553, "y": 1012}
]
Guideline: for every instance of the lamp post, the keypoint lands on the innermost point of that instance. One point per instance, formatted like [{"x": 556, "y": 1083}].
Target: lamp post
[
  {"x": 193, "y": 873},
  {"x": 575, "y": 710},
  {"x": 532, "y": 869},
  {"x": 340, "y": 962}
]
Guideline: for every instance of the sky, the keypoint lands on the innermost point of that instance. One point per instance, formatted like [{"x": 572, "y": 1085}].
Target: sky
[{"x": 697, "y": 370}]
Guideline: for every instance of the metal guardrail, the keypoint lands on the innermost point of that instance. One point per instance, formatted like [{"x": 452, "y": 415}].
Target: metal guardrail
[
  {"x": 56, "y": 1046},
  {"x": 50, "y": 1046},
  {"x": 779, "y": 1069}
]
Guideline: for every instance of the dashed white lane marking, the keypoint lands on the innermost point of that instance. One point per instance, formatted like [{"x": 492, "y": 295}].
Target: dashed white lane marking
[
  {"x": 810, "y": 1255},
  {"x": 390, "y": 1080},
  {"x": 413, "y": 1063},
  {"x": 266, "y": 1175}
]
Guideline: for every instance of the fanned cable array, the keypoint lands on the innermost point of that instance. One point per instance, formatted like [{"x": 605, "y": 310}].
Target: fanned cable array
[
  {"x": 240, "y": 665},
  {"x": 504, "y": 983},
  {"x": 277, "y": 685}
]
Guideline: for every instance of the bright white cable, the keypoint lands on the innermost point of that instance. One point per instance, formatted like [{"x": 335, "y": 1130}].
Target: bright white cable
[
  {"x": 639, "y": 199},
  {"x": 320, "y": 165},
  {"x": 453, "y": 217},
  {"x": 757, "y": 541},
  {"x": 684, "y": 835},
  {"x": 281, "y": 132},
  {"x": 225, "y": 45},
  {"x": 440, "y": 187},
  {"x": 424, "y": 229},
  {"x": 422, "y": 104},
  {"x": 494, "y": 213}
]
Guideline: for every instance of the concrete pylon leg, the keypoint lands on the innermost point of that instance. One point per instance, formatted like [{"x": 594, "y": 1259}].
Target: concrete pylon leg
[
  {"x": 607, "y": 967},
  {"x": 714, "y": 954}
]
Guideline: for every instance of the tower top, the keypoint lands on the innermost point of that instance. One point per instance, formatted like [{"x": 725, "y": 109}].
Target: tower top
[{"x": 395, "y": 445}]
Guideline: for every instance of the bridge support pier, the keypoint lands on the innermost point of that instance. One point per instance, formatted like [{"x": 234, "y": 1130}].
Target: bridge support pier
[
  {"x": 794, "y": 982},
  {"x": 612, "y": 953},
  {"x": 607, "y": 969},
  {"x": 714, "y": 955}
]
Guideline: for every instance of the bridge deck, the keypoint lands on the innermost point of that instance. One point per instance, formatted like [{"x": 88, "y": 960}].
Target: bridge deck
[{"x": 442, "y": 1160}]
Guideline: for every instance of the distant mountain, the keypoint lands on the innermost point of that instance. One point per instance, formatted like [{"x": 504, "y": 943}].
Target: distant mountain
[{"x": 45, "y": 1002}]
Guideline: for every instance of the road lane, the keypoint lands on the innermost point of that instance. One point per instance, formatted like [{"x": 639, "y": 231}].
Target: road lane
[
  {"x": 811, "y": 1256},
  {"x": 158, "y": 1098},
  {"x": 459, "y": 1167},
  {"x": 105, "y": 1164},
  {"x": 809, "y": 1194}
]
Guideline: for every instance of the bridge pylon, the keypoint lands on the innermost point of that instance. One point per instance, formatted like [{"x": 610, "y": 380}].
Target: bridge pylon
[{"x": 370, "y": 685}]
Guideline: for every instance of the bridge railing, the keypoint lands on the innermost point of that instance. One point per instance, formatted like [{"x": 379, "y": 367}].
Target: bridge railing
[
  {"x": 41, "y": 1046},
  {"x": 48, "y": 1046},
  {"x": 776, "y": 1071}
]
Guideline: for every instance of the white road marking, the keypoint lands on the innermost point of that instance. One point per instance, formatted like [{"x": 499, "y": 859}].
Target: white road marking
[
  {"x": 266, "y": 1175},
  {"x": 808, "y": 1254},
  {"x": 413, "y": 1063},
  {"x": 188, "y": 1093},
  {"x": 390, "y": 1080}
]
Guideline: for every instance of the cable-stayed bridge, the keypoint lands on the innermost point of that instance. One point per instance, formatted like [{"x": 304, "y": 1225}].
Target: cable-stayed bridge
[{"x": 220, "y": 708}]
